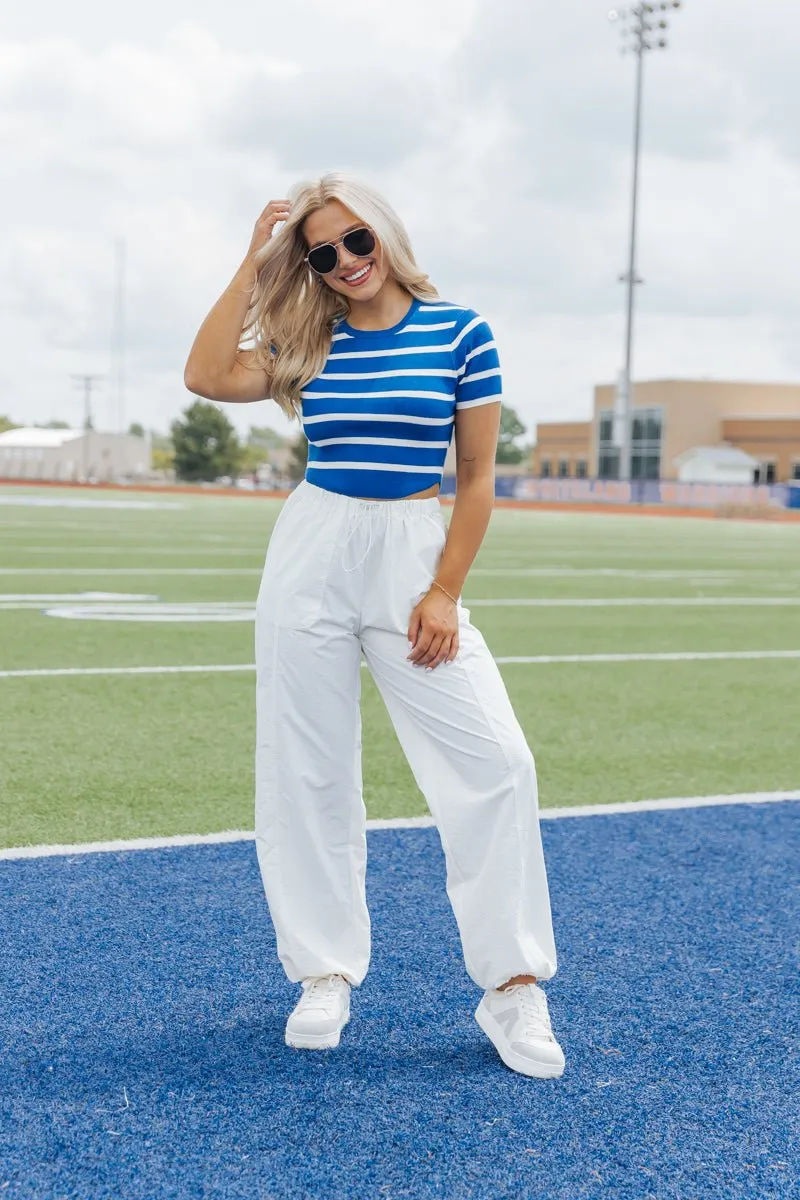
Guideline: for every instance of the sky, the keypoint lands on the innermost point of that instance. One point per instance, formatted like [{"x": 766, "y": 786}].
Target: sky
[{"x": 500, "y": 130}]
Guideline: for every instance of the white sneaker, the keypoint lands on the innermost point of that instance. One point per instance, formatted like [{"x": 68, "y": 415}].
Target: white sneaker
[
  {"x": 320, "y": 1014},
  {"x": 517, "y": 1021}
]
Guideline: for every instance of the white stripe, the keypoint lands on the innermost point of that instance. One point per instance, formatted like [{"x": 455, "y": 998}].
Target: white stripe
[
  {"x": 365, "y": 466},
  {"x": 481, "y": 375},
  {"x": 50, "y": 672},
  {"x": 684, "y": 575},
  {"x": 368, "y": 394},
  {"x": 669, "y": 804},
  {"x": 408, "y": 351},
  {"x": 462, "y": 404},
  {"x": 339, "y": 337},
  {"x": 131, "y": 570},
  {"x": 434, "y": 372},
  {"x": 480, "y": 350},
  {"x": 373, "y": 441},
  {"x": 643, "y": 602},
  {"x": 656, "y": 656},
  {"x": 433, "y": 307},
  {"x": 9, "y": 599},
  {"x": 370, "y": 416},
  {"x": 473, "y": 324},
  {"x": 501, "y": 660},
  {"x": 426, "y": 328},
  {"x": 545, "y": 814}
]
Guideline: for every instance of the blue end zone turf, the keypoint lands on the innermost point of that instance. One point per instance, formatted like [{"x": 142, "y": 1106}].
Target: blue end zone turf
[{"x": 143, "y": 1011}]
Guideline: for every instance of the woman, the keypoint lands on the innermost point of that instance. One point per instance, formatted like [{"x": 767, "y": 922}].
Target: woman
[{"x": 332, "y": 319}]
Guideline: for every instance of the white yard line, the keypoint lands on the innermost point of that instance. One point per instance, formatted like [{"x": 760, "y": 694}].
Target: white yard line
[
  {"x": 190, "y": 571},
  {"x": 516, "y": 601},
  {"x": 200, "y": 551},
  {"x": 536, "y": 659},
  {"x": 639, "y": 602},
  {"x": 546, "y": 814}
]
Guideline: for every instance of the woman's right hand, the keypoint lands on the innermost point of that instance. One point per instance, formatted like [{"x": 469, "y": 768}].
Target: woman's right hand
[{"x": 276, "y": 210}]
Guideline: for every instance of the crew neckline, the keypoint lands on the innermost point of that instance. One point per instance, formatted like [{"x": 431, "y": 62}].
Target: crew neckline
[{"x": 354, "y": 331}]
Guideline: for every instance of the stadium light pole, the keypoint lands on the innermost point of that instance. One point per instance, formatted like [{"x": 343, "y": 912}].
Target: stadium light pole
[{"x": 647, "y": 27}]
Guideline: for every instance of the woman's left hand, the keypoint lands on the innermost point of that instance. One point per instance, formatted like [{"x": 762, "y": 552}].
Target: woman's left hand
[{"x": 433, "y": 630}]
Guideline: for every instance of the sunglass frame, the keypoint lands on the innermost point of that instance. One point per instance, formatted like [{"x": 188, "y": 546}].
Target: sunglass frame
[{"x": 334, "y": 246}]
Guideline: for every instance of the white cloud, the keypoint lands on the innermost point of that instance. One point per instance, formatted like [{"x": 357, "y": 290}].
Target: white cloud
[{"x": 502, "y": 133}]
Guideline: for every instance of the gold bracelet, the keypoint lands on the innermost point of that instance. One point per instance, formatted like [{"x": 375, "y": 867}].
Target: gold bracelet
[{"x": 437, "y": 584}]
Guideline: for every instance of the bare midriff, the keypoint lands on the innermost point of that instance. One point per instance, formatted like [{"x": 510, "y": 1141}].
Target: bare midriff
[{"x": 431, "y": 491}]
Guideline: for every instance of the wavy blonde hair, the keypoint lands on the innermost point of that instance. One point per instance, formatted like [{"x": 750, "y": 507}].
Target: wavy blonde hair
[{"x": 292, "y": 311}]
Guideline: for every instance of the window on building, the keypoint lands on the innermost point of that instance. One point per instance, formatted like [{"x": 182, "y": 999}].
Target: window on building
[
  {"x": 646, "y": 429},
  {"x": 645, "y": 466},
  {"x": 608, "y": 464},
  {"x": 607, "y": 452},
  {"x": 563, "y": 468},
  {"x": 545, "y": 468},
  {"x": 796, "y": 470},
  {"x": 764, "y": 473},
  {"x": 580, "y": 468}
]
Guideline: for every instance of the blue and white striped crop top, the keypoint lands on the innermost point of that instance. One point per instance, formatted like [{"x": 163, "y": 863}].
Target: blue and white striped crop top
[{"x": 380, "y": 416}]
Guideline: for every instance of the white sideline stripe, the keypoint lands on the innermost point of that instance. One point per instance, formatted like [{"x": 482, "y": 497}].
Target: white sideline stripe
[
  {"x": 521, "y": 601},
  {"x": 131, "y": 571},
  {"x": 639, "y": 602},
  {"x": 542, "y": 659},
  {"x": 567, "y": 572},
  {"x": 545, "y": 814}
]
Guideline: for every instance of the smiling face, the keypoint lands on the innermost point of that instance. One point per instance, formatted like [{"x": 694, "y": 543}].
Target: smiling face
[{"x": 356, "y": 278}]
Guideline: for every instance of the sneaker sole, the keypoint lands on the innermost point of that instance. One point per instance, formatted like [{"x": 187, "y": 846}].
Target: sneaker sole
[
  {"x": 316, "y": 1041},
  {"x": 515, "y": 1062}
]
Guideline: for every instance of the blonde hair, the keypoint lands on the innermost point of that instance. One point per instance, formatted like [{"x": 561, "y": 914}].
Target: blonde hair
[{"x": 292, "y": 311}]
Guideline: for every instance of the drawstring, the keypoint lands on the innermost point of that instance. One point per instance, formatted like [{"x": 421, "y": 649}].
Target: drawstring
[
  {"x": 356, "y": 525},
  {"x": 364, "y": 513}
]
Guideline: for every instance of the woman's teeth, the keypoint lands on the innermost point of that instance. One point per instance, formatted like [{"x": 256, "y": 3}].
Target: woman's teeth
[{"x": 358, "y": 274}]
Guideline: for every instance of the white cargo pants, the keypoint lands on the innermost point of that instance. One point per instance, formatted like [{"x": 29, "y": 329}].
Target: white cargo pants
[{"x": 342, "y": 576}]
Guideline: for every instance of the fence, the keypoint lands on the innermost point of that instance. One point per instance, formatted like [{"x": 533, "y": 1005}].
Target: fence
[{"x": 641, "y": 491}]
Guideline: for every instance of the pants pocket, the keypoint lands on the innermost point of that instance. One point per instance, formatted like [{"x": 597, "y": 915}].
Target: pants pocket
[
  {"x": 430, "y": 544},
  {"x": 296, "y": 568}
]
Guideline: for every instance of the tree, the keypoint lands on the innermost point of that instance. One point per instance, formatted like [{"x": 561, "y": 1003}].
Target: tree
[
  {"x": 136, "y": 430},
  {"x": 298, "y": 457},
  {"x": 54, "y": 425},
  {"x": 510, "y": 428},
  {"x": 6, "y": 423},
  {"x": 263, "y": 435},
  {"x": 162, "y": 460},
  {"x": 206, "y": 445},
  {"x": 252, "y": 456}
]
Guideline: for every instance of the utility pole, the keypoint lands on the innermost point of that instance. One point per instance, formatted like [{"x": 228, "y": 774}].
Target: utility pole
[
  {"x": 646, "y": 34},
  {"x": 87, "y": 382},
  {"x": 118, "y": 334}
]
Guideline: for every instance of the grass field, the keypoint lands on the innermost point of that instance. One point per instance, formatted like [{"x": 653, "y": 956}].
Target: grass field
[{"x": 114, "y": 755}]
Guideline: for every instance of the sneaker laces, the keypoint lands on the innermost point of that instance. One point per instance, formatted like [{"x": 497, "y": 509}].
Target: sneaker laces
[
  {"x": 533, "y": 1006},
  {"x": 322, "y": 992}
]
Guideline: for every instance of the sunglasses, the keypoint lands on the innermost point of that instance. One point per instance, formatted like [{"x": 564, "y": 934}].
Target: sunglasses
[{"x": 324, "y": 259}]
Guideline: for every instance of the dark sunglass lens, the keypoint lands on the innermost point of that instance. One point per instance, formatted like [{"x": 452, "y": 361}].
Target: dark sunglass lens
[
  {"x": 322, "y": 259},
  {"x": 360, "y": 242}
]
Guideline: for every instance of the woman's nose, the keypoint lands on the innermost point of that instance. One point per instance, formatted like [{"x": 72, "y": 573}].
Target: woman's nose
[{"x": 346, "y": 259}]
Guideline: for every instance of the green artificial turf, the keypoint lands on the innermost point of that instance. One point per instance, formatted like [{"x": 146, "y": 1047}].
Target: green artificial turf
[{"x": 101, "y": 757}]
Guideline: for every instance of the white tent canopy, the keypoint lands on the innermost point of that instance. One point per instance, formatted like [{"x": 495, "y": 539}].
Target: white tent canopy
[
  {"x": 31, "y": 438},
  {"x": 716, "y": 464}
]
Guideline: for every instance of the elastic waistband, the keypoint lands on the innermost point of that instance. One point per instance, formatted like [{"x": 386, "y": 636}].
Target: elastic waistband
[{"x": 322, "y": 498}]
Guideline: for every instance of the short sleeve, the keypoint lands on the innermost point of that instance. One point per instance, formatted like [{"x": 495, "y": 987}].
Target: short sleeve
[{"x": 477, "y": 364}]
